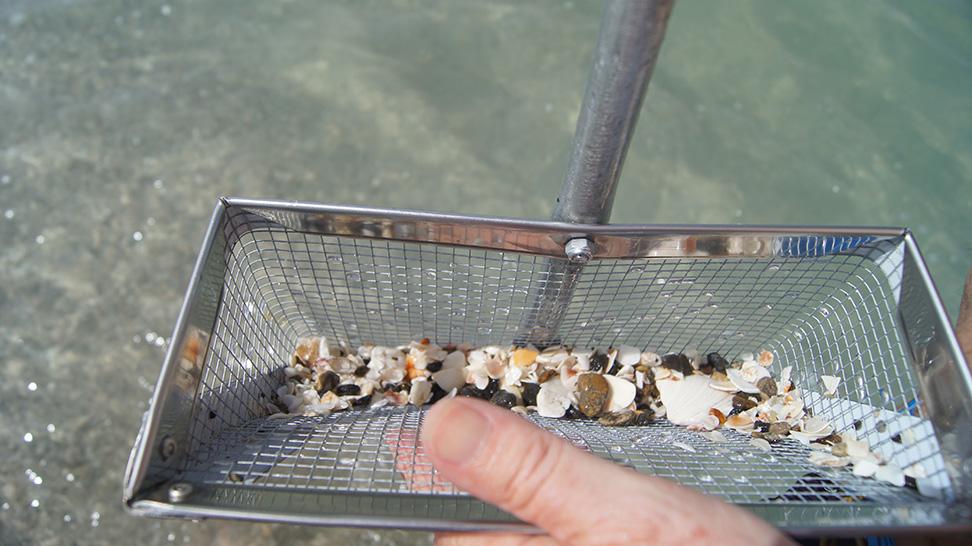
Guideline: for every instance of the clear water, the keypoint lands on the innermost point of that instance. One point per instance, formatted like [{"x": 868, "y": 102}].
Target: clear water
[{"x": 121, "y": 121}]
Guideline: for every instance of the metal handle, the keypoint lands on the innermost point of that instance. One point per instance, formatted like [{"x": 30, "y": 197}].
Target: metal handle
[{"x": 627, "y": 47}]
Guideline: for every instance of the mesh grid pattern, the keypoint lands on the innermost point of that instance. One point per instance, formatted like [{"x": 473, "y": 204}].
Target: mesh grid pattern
[{"x": 829, "y": 314}]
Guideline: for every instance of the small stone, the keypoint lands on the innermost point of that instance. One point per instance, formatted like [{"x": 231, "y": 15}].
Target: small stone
[
  {"x": 326, "y": 382},
  {"x": 839, "y": 450},
  {"x": 772, "y": 438},
  {"x": 706, "y": 368},
  {"x": 830, "y": 440},
  {"x": 880, "y": 426},
  {"x": 642, "y": 418},
  {"x": 593, "y": 393},
  {"x": 492, "y": 387},
  {"x": 503, "y": 399},
  {"x": 781, "y": 428},
  {"x": 395, "y": 387},
  {"x": 617, "y": 419},
  {"x": 361, "y": 401},
  {"x": 573, "y": 413},
  {"x": 361, "y": 371},
  {"x": 530, "y": 391},
  {"x": 438, "y": 393},
  {"x": 717, "y": 362},
  {"x": 858, "y": 424},
  {"x": 677, "y": 362},
  {"x": 547, "y": 375},
  {"x": 525, "y": 357},
  {"x": 896, "y": 438},
  {"x": 433, "y": 367},
  {"x": 767, "y": 386},
  {"x": 347, "y": 390},
  {"x": 599, "y": 361},
  {"x": 742, "y": 403},
  {"x": 472, "y": 392}
]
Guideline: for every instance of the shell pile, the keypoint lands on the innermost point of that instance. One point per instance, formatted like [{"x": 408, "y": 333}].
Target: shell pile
[{"x": 618, "y": 387}]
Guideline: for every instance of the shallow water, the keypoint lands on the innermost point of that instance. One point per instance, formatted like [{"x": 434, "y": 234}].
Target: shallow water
[{"x": 122, "y": 121}]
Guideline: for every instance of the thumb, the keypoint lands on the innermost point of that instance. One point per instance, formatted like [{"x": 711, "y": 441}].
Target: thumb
[{"x": 574, "y": 496}]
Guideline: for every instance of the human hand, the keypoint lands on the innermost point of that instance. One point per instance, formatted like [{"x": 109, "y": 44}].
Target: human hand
[{"x": 575, "y": 497}]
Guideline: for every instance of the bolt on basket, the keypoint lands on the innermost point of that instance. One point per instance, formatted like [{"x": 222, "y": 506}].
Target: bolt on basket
[{"x": 853, "y": 303}]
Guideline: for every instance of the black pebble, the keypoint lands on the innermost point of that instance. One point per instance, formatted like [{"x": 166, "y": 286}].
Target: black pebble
[
  {"x": 327, "y": 382},
  {"x": 615, "y": 368},
  {"x": 212, "y": 414},
  {"x": 896, "y": 438},
  {"x": 573, "y": 413},
  {"x": 643, "y": 418},
  {"x": 706, "y": 368},
  {"x": 395, "y": 387},
  {"x": 347, "y": 390},
  {"x": 530, "y": 391},
  {"x": 359, "y": 402},
  {"x": 677, "y": 362},
  {"x": 762, "y": 426},
  {"x": 598, "y": 361},
  {"x": 361, "y": 371},
  {"x": 438, "y": 393},
  {"x": 858, "y": 424},
  {"x": 717, "y": 362},
  {"x": 503, "y": 399},
  {"x": 492, "y": 387},
  {"x": 433, "y": 367},
  {"x": 472, "y": 392}
]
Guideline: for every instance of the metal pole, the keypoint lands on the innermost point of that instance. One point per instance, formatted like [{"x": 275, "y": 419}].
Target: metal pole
[{"x": 627, "y": 47}]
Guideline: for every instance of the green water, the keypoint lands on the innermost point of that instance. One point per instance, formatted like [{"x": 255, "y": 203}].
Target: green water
[{"x": 121, "y": 121}]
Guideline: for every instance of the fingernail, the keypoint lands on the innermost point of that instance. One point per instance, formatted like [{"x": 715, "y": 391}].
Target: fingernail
[{"x": 460, "y": 433}]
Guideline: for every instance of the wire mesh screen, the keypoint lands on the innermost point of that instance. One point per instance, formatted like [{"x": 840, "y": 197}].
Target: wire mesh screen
[{"x": 821, "y": 313}]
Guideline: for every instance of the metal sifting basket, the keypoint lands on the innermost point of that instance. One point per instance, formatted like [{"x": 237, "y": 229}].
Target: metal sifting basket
[
  {"x": 848, "y": 302},
  {"x": 857, "y": 305}
]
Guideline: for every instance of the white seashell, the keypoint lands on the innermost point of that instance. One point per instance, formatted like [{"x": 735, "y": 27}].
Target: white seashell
[
  {"x": 627, "y": 373},
  {"x": 450, "y": 378},
  {"x": 807, "y": 437},
  {"x": 689, "y": 401},
  {"x": 747, "y": 357},
  {"x": 455, "y": 359},
  {"x": 761, "y": 444},
  {"x": 916, "y": 471},
  {"x": 477, "y": 376},
  {"x": 582, "y": 359},
  {"x": 857, "y": 449},
  {"x": 552, "y": 356},
  {"x": 435, "y": 353},
  {"x": 364, "y": 351},
  {"x": 663, "y": 373},
  {"x": 628, "y": 355},
  {"x": 822, "y": 458},
  {"x": 420, "y": 393},
  {"x": 865, "y": 468},
  {"x": 639, "y": 380},
  {"x": 290, "y": 372},
  {"x": 519, "y": 409},
  {"x": 684, "y": 446},
  {"x": 813, "y": 425},
  {"x": 569, "y": 376},
  {"x": 907, "y": 437},
  {"x": 709, "y": 422},
  {"x": 740, "y": 422},
  {"x": 310, "y": 396},
  {"x": 765, "y": 358},
  {"x": 622, "y": 393},
  {"x": 784, "y": 382},
  {"x": 418, "y": 358},
  {"x": 649, "y": 358},
  {"x": 740, "y": 382},
  {"x": 830, "y": 383},
  {"x": 714, "y": 436},
  {"x": 553, "y": 399},
  {"x": 495, "y": 368},
  {"x": 612, "y": 356},
  {"x": 512, "y": 377},
  {"x": 477, "y": 358},
  {"x": 753, "y": 372},
  {"x": 394, "y": 398},
  {"x": 392, "y": 375},
  {"x": 890, "y": 473},
  {"x": 316, "y": 409},
  {"x": 292, "y": 402},
  {"x": 723, "y": 385},
  {"x": 694, "y": 357}
]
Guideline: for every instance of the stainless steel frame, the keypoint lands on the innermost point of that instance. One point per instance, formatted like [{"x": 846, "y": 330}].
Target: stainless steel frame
[{"x": 856, "y": 302}]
